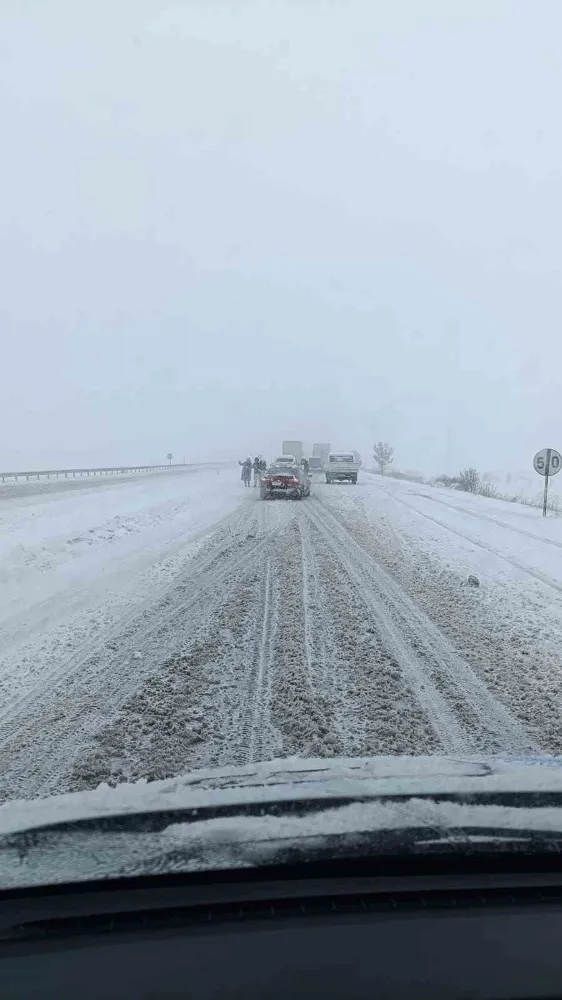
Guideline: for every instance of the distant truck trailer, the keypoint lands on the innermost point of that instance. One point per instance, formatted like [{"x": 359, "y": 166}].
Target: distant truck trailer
[
  {"x": 321, "y": 451},
  {"x": 293, "y": 448}
]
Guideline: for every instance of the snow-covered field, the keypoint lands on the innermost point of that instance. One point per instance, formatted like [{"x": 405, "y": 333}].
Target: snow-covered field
[{"x": 155, "y": 625}]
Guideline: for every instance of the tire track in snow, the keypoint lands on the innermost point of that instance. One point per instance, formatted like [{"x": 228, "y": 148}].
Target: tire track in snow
[
  {"x": 492, "y": 520},
  {"x": 364, "y": 704},
  {"x": 21, "y": 632},
  {"x": 290, "y": 679},
  {"x": 253, "y": 739},
  {"x": 442, "y": 718},
  {"x": 428, "y": 659},
  {"x": 42, "y": 732},
  {"x": 301, "y": 712},
  {"x": 314, "y": 638},
  {"x": 233, "y": 532},
  {"x": 535, "y": 573}
]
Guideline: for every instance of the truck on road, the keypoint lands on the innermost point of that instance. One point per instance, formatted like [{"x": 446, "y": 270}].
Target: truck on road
[
  {"x": 321, "y": 451},
  {"x": 293, "y": 448},
  {"x": 342, "y": 466},
  {"x": 319, "y": 458},
  {"x": 315, "y": 464}
]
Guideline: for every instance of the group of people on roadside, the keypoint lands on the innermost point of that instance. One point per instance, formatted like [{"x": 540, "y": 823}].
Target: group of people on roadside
[{"x": 257, "y": 467}]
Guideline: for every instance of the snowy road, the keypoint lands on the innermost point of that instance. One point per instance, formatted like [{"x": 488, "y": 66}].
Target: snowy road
[{"x": 151, "y": 627}]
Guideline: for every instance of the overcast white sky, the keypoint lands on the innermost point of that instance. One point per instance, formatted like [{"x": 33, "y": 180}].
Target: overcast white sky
[{"x": 231, "y": 221}]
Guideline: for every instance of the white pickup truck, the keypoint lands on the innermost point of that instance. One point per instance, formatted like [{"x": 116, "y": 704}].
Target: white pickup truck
[{"x": 342, "y": 465}]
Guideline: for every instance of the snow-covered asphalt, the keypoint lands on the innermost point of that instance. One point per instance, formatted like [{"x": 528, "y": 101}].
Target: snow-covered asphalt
[{"x": 149, "y": 627}]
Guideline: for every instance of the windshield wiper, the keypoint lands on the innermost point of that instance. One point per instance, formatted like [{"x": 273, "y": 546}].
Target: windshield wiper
[
  {"x": 284, "y": 832},
  {"x": 158, "y": 820}
]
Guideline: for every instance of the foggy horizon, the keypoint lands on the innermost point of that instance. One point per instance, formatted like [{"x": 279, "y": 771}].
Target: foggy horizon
[{"x": 228, "y": 224}]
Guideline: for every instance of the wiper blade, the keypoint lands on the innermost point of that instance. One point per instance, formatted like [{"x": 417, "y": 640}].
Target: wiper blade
[
  {"x": 298, "y": 829},
  {"x": 158, "y": 820}
]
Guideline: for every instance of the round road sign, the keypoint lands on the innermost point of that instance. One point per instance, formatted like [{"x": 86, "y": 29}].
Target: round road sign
[{"x": 542, "y": 464}]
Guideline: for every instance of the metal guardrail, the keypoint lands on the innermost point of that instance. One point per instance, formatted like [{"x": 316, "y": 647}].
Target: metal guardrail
[{"x": 103, "y": 471}]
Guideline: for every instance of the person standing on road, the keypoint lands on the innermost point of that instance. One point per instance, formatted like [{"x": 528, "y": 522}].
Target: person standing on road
[
  {"x": 263, "y": 465},
  {"x": 256, "y": 471},
  {"x": 246, "y": 474}
]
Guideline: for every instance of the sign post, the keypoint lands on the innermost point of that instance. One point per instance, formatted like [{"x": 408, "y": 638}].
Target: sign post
[
  {"x": 545, "y": 494},
  {"x": 547, "y": 462}
]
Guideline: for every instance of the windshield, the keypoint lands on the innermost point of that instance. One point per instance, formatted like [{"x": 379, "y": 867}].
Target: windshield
[{"x": 225, "y": 223}]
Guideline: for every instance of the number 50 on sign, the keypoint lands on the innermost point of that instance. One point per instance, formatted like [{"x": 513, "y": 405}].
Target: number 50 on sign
[
  {"x": 547, "y": 462},
  {"x": 543, "y": 466}
]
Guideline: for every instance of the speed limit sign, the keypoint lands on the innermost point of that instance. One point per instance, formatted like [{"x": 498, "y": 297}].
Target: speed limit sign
[{"x": 547, "y": 462}]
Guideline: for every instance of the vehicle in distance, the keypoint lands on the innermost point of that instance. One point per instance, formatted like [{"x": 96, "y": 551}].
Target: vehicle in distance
[
  {"x": 294, "y": 448},
  {"x": 342, "y": 467},
  {"x": 283, "y": 480},
  {"x": 315, "y": 464},
  {"x": 322, "y": 451}
]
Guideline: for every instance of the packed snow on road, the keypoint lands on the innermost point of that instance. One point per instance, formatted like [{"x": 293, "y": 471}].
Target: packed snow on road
[{"x": 176, "y": 621}]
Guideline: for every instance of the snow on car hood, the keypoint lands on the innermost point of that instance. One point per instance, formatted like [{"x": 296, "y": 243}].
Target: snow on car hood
[{"x": 234, "y": 816}]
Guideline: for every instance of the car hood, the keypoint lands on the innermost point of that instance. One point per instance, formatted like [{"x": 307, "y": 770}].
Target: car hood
[{"x": 238, "y": 816}]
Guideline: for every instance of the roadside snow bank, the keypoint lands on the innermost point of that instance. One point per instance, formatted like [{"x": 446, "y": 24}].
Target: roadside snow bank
[{"x": 48, "y": 544}]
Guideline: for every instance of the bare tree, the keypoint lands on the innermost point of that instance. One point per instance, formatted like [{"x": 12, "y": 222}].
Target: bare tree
[
  {"x": 469, "y": 481},
  {"x": 383, "y": 455},
  {"x": 169, "y": 456}
]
